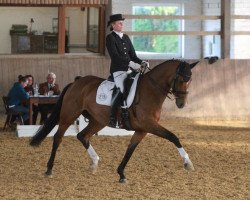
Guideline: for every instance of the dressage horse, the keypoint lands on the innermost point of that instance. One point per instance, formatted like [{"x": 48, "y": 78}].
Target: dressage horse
[{"x": 170, "y": 77}]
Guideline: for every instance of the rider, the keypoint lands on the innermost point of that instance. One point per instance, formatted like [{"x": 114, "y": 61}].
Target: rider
[{"x": 123, "y": 56}]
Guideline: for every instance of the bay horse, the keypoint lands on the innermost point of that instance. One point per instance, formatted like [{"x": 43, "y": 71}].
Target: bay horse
[{"x": 172, "y": 76}]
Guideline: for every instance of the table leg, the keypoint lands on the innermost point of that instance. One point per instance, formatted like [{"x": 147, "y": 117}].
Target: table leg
[{"x": 30, "y": 111}]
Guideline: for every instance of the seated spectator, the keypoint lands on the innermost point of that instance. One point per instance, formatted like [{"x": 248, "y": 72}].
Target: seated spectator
[
  {"x": 19, "y": 77},
  {"x": 30, "y": 90},
  {"x": 44, "y": 88},
  {"x": 17, "y": 95}
]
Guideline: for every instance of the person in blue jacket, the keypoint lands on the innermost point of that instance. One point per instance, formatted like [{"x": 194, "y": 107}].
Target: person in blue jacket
[{"x": 17, "y": 95}]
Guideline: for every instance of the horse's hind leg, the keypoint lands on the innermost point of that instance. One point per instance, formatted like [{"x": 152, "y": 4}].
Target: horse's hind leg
[
  {"x": 85, "y": 135},
  {"x": 135, "y": 140},
  {"x": 56, "y": 142},
  {"x": 164, "y": 133}
]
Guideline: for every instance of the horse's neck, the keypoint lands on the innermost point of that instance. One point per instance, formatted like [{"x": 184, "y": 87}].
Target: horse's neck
[
  {"x": 163, "y": 75},
  {"x": 156, "y": 84}
]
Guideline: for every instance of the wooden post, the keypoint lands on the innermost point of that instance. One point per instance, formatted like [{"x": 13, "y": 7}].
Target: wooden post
[
  {"x": 61, "y": 29},
  {"x": 102, "y": 26},
  {"x": 225, "y": 28}
]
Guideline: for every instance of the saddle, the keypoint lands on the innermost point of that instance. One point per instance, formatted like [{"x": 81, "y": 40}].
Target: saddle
[
  {"x": 106, "y": 88},
  {"x": 104, "y": 97}
]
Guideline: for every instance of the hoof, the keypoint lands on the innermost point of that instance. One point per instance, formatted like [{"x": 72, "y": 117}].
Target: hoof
[
  {"x": 93, "y": 167},
  {"x": 48, "y": 174},
  {"x": 189, "y": 166},
  {"x": 123, "y": 180}
]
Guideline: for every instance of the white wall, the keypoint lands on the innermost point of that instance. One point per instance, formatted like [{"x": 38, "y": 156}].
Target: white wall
[
  {"x": 211, "y": 44},
  {"x": 240, "y": 43},
  {"x": 78, "y": 25}
]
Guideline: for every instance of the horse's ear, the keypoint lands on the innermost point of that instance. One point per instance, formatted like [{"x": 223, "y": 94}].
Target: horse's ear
[
  {"x": 193, "y": 64},
  {"x": 212, "y": 59}
]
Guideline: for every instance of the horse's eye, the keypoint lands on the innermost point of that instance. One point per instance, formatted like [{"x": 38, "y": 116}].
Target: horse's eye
[
  {"x": 181, "y": 80},
  {"x": 186, "y": 78}
]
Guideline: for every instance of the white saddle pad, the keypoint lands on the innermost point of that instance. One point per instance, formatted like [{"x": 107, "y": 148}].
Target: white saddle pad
[{"x": 105, "y": 89}]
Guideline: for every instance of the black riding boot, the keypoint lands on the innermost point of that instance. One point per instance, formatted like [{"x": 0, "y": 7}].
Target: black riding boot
[
  {"x": 115, "y": 103},
  {"x": 124, "y": 111}
]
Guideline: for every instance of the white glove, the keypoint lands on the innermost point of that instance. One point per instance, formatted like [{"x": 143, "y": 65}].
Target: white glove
[
  {"x": 145, "y": 64},
  {"x": 129, "y": 71},
  {"x": 134, "y": 65}
]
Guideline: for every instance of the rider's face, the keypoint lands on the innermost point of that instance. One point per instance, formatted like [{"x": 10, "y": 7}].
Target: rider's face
[{"x": 118, "y": 26}]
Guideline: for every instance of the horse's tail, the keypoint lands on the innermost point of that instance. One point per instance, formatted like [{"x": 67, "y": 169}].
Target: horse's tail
[{"x": 50, "y": 123}]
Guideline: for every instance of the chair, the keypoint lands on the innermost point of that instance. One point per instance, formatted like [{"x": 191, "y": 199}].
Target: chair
[{"x": 10, "y": 114}]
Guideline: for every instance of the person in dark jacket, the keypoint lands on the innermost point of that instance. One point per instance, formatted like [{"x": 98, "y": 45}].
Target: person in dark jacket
[
  {"x": 29, "y": 88},
  {"x": 16, "y": 96},
  {"x": 123, "y": 56},
  {"x": 48, "y": 88}
]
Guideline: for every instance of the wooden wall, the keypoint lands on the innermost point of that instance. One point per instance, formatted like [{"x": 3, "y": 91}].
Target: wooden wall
[
  {"x": 217, "y": 91},
  {"x": 65, "y": 67}
]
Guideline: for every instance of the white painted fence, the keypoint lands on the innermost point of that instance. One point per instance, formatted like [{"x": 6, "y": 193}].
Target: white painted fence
[{"x": 30, "y": 130}]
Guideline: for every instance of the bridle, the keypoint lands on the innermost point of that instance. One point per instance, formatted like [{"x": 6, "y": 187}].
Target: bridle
[
  {"x": 186, "y": 78},
  {"x": 173, "y": 91}
]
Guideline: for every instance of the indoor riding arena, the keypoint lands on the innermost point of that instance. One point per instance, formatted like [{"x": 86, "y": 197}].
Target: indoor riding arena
[{"x": 213, "y": 126}]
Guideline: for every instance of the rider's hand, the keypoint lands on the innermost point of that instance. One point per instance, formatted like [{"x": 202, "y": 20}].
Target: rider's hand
[
  {"x": 144, "y": 64},
  {"x": 134, "y": 65},
  {"x": 129, "y": 71}
]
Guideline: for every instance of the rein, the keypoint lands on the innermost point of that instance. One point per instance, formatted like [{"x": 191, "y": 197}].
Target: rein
[{"x": 155, "y": 84}]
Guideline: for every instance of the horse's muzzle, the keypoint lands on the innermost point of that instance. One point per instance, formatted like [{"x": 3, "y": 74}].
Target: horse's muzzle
[{"x": 180, "y": 103}]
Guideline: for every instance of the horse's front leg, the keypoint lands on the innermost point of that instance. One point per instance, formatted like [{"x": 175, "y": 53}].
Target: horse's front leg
[
  {"x": 160, "y": 131},
  {"x": 135, "y": 140}
]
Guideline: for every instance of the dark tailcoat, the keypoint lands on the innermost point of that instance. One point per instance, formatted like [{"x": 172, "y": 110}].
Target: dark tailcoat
[
  {"x": 44, "y": 88},
  {"x": 46, "y": 108},
  {"x": 121, "y": 51}
]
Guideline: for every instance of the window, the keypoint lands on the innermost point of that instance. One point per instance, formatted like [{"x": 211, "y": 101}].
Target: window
[
  {"x": 157, "y": 46},
  {"x": 23, "y": 32},
  {"x": 34, "y": 30}
]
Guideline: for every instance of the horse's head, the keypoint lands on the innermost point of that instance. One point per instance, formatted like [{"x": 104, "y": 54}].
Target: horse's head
[{"x": 181, "y": 83}]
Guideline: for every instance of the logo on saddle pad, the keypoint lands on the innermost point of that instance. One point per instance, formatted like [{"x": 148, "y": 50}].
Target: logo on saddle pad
[
  {"x": 105, "y": 90},
  {"x": 102, "y": 97}
]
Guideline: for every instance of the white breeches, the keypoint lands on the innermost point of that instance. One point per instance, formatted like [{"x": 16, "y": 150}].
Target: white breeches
[{"x": 119, "y": 78}]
